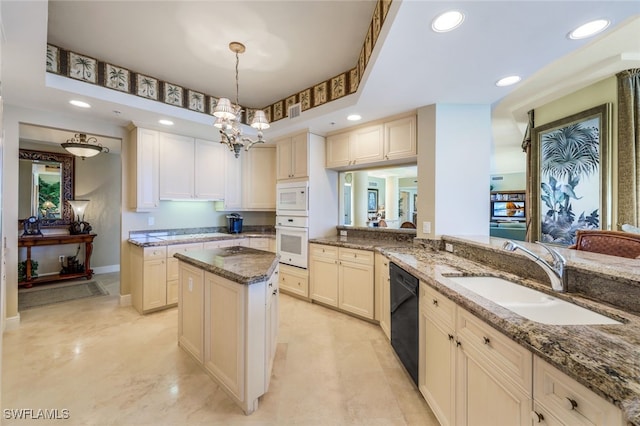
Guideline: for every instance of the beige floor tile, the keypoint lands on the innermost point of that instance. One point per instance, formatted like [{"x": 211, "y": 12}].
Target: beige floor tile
[{"x": 108, "y": 365}]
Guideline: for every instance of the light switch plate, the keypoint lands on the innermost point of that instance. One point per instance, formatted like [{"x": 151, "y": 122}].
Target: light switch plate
[
  {"x": 151, "y": 220},
  {"x": 343, "y": 233},
  {"x": 448, "y": 247},
  {"x": 426, "y": 227}
]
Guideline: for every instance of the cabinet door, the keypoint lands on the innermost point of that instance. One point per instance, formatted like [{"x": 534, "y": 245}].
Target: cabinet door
[
  {"x": 383, "y": 294},
  {"x": 209, "y": 170},
  {"x": 300, "y": 159},
  {"x": 191, "y": 312},
  {"x": 436, "y": 375},
  {"x": 233, "y": 181},
  {"x": 323, "y": 276},
  {"x": 145, "y": 163},
  {"x": 284, "y": 158},
  {"x": 154, "y": 291},
  {"x": 485, "y": 397},
  {"x": 367, "y": 145},
  {"x": 400, "y": 138},
  {"x": 176, "y": 167},
  {"x": 337, "y": 151},
  {"x": 355, "y": 282},
  {"x": 272, "y": 323},
  {"x": 259, "y": 178}
]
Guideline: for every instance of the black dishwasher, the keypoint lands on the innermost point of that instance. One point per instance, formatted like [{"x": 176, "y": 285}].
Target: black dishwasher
[{"x": 404, "y": 318}]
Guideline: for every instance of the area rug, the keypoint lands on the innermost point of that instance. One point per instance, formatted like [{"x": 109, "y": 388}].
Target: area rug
[{"x": 35, "y": 297}]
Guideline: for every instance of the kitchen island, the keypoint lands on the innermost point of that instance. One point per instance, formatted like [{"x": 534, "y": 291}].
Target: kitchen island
[{"x": 228, "y": 317}]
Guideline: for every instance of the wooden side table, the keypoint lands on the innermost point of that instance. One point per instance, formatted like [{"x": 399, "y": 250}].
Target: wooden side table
[{"x": 29, "y": 241}]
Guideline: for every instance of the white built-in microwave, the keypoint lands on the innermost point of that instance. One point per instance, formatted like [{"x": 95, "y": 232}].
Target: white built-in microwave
[{"x": 292, "y": 198}]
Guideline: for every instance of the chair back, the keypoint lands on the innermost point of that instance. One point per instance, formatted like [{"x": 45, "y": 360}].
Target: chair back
[
  {"x": 382, "y": 223},
  {"x": 408, "y": 225},
  {"x": 613, "y": 243}
]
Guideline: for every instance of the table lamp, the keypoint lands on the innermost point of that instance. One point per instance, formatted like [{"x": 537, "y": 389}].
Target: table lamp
[{"x": 79, "y": 226}]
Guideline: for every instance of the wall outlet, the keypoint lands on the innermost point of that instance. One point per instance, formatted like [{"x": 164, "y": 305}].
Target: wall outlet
[
  {"x": 61, "y": 259},
  {"x": 151, "y": 220},
  {"x": 448, "y": 247},
  {"x": 426, "y": 227},
  {"x": 343, "y": 233}
]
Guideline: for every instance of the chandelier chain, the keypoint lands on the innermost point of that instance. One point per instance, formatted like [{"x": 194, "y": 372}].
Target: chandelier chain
[{"x": 237, "y": 81}]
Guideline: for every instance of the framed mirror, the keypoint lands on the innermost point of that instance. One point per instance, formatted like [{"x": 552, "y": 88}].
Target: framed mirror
[{"x": 46, "y": 182}]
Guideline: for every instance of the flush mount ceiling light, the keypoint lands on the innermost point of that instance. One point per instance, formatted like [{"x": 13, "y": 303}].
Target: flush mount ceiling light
[
  {"x": 354, "y": 117},
  {"x": 228, "y": 116},
  {"x": 508, "y": 81},
  {"x": 166, "y": 122},
  {"x": 589, "y": 29},
  {"x": 80, "y": 146},
  {"x": 79, "y": 104},
  {"x": 447, "y": 21}
]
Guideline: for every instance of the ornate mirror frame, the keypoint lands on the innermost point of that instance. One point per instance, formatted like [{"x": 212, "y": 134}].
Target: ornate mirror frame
[{"x": 67, "y": 185}]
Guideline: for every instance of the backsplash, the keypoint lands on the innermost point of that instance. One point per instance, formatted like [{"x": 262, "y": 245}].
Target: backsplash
[
  {"x": 246, "y": 229},
  {"x": 388, "y": 234}
]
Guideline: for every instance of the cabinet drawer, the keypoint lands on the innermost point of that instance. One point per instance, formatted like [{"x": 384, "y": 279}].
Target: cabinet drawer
[
  {"x": 568, "y": 400},
  {"x": 438, "y": 306},
  {"x": 259, "y": 243},
  {"x": 150, "y": 253},
  {"x": 182, "y": 248},
  {"x": 218, "y": 243},
  {"x": 513, "y": 360},
  {"x": 294, "y": 280},
  {"x": 356, "y": 256},
  {"x": 320, "y": 250}
]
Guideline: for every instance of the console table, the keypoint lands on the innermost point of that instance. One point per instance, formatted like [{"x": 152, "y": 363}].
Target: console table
[{"x": 29, "y": 241}]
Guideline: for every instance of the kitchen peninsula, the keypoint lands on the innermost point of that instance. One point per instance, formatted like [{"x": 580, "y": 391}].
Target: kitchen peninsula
[{"x": 228, "y": 317}]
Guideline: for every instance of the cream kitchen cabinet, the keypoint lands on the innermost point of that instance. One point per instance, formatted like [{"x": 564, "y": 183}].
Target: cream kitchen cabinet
[
  {"x": 172, "y": 268},
  {"x": 191, "y": 169},
  {"x": 343, "y": 278},
  {"x": 469, "y": 373},
  {"x": 383, "y": 294},
  {"x": 294, "y": 280},
  {"x": 191, "y": 312},
  {"x": 560, "y": 400},
  {"x": 250, "y": 180},
  {"x": 149, "y": 278},
  {"x": 292, "y": 157},
  {"x": 144, "y": 169},
  {"x": 386, "y": 141}
]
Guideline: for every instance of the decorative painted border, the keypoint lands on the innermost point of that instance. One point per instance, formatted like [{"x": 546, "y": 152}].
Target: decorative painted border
[{"x": 85, "y": 68}]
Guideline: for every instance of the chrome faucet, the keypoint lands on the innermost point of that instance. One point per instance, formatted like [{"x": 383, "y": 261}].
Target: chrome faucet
[{"x": 555, "y": 271}]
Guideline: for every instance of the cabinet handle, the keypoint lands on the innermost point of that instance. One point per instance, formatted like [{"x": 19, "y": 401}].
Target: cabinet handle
[
  {"x": 458, "y": 343},
  {"x": 450, "y": 336},
  {"x": 271, "y": 284},
  {"x": 486, "y": 340},
  {"x": 275, "y": 292},
  {"x": 435, "y": 302},
  {"x": 537, "y": 417},
  {"x": 570, "y": 404}
]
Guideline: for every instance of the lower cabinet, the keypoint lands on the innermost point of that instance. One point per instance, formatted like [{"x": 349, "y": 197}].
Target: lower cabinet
[
  {"x": 148, "y": 278},
  {"x": 294, "y": 280},
  {"x": 236, "y": 326},
  {"x": 343, "y": 278},
  {"x": 383, "y": 294},
  {"x": 471, "y": 374},
  {"x": 172, "y": 268}
]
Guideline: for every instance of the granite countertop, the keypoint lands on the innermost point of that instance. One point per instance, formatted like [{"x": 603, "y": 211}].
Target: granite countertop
[
  {"x": 162, "y": 239},
  {"x": 243, "y": 265},
  {"x": 604, "y": 358}
]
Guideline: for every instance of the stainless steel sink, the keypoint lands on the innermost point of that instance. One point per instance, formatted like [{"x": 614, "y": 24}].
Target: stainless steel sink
[{"x": 532, "y": 304}]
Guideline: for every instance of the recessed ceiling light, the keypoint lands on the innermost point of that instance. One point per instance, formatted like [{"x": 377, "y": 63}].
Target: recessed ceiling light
[
  {"x": 447, "y": 21},
  {"x": 589, "y": 29},
  {"x": 166, "y": 122},
  {"x": 508, "y": 81},
  {"x": 80, "y": 104},
  {"x": 354, "y": 117}
]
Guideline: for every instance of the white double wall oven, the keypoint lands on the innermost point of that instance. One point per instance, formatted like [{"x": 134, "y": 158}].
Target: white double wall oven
[{"x": 292, "y": 222}]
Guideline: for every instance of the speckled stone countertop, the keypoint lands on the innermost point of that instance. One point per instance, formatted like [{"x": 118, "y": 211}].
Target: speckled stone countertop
[
  {"x": 243, "y": 265},
  {"x": 160, "y": 239},
  {"x": 604, "y": 358}
]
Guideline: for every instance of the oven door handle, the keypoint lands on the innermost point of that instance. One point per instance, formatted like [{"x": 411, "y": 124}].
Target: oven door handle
[{"x": 292, "y": 228}]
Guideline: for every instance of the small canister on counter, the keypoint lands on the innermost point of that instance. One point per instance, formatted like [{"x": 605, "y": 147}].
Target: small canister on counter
[{"x": 234, "y": 223}]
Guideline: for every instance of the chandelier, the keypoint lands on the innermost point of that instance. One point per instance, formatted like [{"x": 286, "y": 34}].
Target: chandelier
[
  {"x": 81, "y": 146},
  {"x": 228, "y": 116}
]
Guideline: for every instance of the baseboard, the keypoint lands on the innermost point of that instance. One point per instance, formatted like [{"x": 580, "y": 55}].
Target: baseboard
[
  {"x": 106, "y": 269},
  {"x": 125, "y": 300},
  {"x": 12, "y": 323}
]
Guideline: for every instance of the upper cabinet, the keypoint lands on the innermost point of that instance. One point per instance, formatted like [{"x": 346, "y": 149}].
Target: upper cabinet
[
  {"x": 144, "y": 168},
  {"x": 292, "y": 157},
  {"x": 191, "y": 168},
  {"x": 250, "y": 180},
  {"x": 387, "y": 141}
]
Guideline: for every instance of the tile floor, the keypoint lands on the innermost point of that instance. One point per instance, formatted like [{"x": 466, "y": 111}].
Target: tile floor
[{"x": 108, "y": 365}]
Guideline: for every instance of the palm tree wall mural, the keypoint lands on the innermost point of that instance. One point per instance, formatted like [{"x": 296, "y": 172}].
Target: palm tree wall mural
[{"x": 571, "y": 189}]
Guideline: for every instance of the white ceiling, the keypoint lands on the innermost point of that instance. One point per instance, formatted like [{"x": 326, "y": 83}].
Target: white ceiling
[{"x": 293, "y": 44}]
